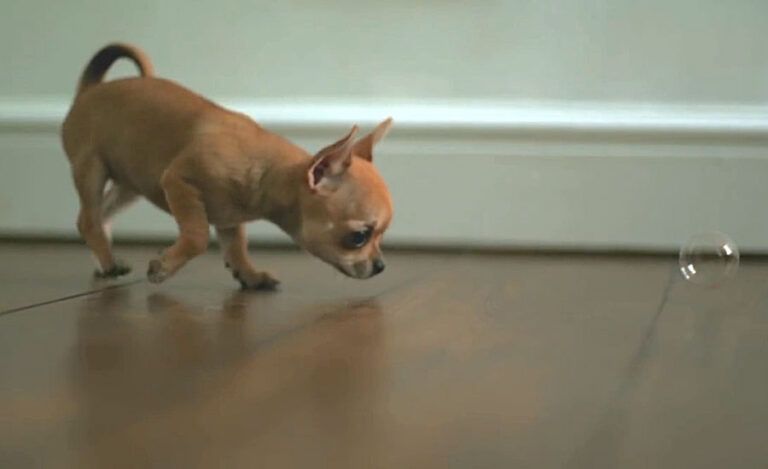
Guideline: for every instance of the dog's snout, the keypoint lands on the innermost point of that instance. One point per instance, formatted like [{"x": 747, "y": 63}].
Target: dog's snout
[{"x": 378, "y": 266}]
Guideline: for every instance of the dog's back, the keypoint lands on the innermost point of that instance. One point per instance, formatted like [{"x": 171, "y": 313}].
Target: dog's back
[
  {"x": 135, "y": 121},
  {"x": 136, "y": 126}
]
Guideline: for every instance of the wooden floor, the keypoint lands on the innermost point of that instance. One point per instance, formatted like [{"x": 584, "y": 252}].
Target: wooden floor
[{"x": 442, "y": 361}]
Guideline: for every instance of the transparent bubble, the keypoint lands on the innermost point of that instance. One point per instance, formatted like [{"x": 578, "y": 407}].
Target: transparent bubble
[{"x": 709, "y": 258}]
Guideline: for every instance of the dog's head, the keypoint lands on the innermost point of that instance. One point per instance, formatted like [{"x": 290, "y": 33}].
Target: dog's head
[{"x": 346, "y": 207}]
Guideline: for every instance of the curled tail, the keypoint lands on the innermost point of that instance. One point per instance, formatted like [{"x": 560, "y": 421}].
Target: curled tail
[{"x": 96, "y": 69}]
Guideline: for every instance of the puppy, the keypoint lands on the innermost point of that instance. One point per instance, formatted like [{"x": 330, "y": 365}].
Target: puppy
[{"x": 205, "y": 166}]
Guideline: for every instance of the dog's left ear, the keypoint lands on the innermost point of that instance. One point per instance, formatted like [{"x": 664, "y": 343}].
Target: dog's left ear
[
  {"x": 331, "y": 163},
  {"x": 364, "y": 147}
]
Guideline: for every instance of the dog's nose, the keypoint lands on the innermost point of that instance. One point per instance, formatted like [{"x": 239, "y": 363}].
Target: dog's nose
[{"x": 378, "y": 266}]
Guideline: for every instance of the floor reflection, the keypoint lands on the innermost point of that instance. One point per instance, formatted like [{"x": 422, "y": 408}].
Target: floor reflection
[{"x": 167, "y": 379}]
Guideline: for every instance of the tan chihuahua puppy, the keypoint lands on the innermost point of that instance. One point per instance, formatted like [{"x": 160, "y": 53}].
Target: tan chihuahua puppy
[{"x": 206, "y": 165}]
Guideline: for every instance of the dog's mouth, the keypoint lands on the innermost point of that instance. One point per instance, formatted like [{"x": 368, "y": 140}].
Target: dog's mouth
[
  {"x": 348, "y": 270},
  {"x": 343, "y": 270},
  {"x": 347, "y": 273}
]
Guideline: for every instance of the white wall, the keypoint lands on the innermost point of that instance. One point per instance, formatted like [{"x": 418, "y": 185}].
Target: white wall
[
  {"x": 589, "y": 123},
  {"x": 663, "y": 51}
]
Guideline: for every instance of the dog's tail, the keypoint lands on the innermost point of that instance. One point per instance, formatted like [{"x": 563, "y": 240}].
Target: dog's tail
[{"x": 96, "y": 69}]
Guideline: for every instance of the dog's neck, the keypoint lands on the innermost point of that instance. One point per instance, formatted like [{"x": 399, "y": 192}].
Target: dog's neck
[{"x": 277, "y": 197}]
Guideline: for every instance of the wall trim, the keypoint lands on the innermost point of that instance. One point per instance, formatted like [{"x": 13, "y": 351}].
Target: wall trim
[{"x": 476, "y": 116}]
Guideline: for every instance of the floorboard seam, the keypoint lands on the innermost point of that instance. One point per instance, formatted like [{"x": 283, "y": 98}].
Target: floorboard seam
[
  {"x": 611, "y": 421},
  {"x": 69, "y": 297}
]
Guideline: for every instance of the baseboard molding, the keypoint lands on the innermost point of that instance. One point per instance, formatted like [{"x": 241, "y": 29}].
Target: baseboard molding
[
  {"x": 512, "y": 175},
  {"x": 471, "y": 116}
]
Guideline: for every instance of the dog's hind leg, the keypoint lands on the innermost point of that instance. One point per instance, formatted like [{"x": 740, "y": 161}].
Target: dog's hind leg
[
  {"x": 90, "y": 177},
  {"x": 115, "y": 200}
]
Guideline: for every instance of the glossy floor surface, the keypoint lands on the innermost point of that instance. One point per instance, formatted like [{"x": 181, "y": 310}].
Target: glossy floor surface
[{"x": 443, "y": 361}]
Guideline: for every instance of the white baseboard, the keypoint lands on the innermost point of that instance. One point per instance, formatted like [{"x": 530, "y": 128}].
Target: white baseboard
[{"x": 474, "y": 174}]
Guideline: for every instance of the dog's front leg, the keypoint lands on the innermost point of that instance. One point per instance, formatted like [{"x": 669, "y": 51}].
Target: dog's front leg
[
  {"x": 187, "y": 207},
  {"x": 234, "y": 247}
]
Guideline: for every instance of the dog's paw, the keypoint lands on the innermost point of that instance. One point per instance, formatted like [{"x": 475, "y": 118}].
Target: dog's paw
[
  {"x": 118, "y": 269},
  {"x": 156, "y": 273},
  {"x": 255, "y": 280}
]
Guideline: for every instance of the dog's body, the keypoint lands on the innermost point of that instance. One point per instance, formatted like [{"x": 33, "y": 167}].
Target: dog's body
[{"x": 209, "y": 166}]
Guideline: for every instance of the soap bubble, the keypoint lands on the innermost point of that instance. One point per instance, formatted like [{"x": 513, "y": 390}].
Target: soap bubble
[{"x": 709, "y": 258}]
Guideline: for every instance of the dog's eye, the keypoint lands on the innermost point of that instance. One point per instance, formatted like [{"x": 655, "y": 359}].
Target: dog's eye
[{"x": 357, "y": 239}]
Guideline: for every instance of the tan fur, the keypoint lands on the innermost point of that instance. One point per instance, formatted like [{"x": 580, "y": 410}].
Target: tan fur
[{"x": 206, "y": 165}]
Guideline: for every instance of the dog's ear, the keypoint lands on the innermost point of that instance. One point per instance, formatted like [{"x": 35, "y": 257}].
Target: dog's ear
[
  {"x": 330, "y": 163},
  {"x": 364, "y": 147}
]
